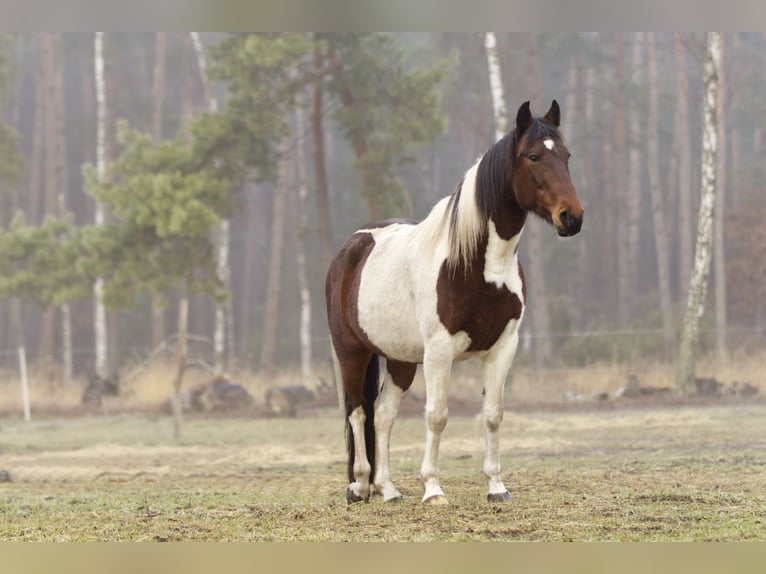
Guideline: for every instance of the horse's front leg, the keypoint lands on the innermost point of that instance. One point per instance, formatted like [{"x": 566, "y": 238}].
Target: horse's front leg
[
  {"x": 437, "y": 365},
  {"x": 495, "y": 371}
]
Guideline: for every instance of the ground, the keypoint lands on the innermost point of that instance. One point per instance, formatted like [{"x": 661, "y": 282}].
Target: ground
[{"x": 647, "y": 472}]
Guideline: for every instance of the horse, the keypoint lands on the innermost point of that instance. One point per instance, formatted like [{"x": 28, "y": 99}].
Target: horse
[{"x": 443, "y": 290}]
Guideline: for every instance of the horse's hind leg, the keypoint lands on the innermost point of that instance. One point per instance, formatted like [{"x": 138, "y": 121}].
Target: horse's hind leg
[
  {"x": 353, "y": 369},
  {"x": 399, "y": 379}
]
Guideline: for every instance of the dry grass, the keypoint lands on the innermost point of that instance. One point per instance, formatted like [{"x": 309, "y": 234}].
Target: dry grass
[
  {"x": 630, "y": 474},
  {"x": 149, "y": 389}
]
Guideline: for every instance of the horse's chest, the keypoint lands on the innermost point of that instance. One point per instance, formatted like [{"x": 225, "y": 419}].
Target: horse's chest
[{"x": 483, "y": 300}]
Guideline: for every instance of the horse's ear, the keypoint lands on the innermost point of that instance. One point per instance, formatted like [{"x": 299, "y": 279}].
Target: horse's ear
[
  {"x": 523, "y": 119},
  {"x": 554, "y": 114}
]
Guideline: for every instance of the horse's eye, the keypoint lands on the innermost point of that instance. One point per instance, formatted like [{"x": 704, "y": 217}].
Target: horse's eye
[{"x": 533, "y": 157}]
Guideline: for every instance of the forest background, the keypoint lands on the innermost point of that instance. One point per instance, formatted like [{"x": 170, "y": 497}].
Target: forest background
[{"x": 229, "y": 167}]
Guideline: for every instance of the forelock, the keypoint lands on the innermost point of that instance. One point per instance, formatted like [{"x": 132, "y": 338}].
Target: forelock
[{"x": 537, "y": 130}]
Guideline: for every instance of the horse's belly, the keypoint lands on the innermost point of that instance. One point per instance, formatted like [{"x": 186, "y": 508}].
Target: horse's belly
[{"x": 386, "y": 310}]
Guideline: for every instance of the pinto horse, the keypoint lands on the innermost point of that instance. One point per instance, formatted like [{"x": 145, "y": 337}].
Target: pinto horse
[{"x": 443, "y": 290}]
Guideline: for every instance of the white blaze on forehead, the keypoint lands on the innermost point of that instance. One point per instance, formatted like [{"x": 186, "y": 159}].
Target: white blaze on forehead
[{"x": 548, "y": 143}]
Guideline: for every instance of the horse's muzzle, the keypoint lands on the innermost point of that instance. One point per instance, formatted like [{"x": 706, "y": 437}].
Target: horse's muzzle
[{"x": 570, "y": 225}]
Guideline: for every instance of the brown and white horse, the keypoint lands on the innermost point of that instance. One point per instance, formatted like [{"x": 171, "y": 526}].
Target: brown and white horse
[{"x": 443, "y": 290}]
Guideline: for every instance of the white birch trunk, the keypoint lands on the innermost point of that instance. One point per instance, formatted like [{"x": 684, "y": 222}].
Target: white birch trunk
[
  {"x": 182, "y": 353},
  {"x": 302, "y": 228},
  {"x": 222, "y": 254},
  {"x": 98, "y": 290},
  {"x": 496, "y": 86},
  {"x": 696, "y": 302},
  {"x": 24, "y": 383},
  {"x": 719, "y": 258},
  {"x": 658, "y": 209}
]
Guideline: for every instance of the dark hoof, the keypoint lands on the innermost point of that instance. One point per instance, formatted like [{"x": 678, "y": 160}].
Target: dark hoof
[
  {"x": 352, "y": 497},
  {"x": 499, "y": 497}
]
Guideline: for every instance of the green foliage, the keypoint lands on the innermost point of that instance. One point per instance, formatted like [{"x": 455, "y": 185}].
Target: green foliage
[
  {"x": 164, "y": 199},
  {"x": 40, "y": 263},
  {"x": 387, "y": 107},
  {"x": 263, "y": 74},
  {"x": 165, "y": 207}
]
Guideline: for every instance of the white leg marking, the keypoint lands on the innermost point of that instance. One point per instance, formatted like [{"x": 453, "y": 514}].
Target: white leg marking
[
  {"x": 495, "y": 370},
  {"x": 361, "y": 485},
  {"x": 436, "y": 368},
  {"x": 386, "y": 407}
]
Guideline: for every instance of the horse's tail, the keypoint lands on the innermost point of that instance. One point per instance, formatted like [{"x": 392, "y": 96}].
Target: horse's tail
[{"x": 370, "y": 393}]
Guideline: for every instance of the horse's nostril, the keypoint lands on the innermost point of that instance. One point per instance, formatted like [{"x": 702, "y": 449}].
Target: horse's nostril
[{"x": 566, "y": 219}]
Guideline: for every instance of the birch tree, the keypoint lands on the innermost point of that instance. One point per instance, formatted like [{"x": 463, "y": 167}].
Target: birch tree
[
  {"x": 496, "y": 86},
  {"x": 222, "y": 254},
  {"x": 302, "y": 231},
  {"x": 718, "y": 223},
  {"x": 99, "y": 313},
  {"x": 695, "y": 306}
]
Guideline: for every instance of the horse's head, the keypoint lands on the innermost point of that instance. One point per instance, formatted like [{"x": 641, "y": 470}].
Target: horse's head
[{"x": 541, "y": 179}]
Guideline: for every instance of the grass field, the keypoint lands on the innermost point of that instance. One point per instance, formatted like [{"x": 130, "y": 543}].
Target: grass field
[{"x": 650, "y": 473}]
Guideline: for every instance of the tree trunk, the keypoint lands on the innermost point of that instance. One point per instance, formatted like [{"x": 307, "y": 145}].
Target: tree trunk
[
  {"x": 584, "y": 111},
  {"x": 183, "y": 319},
  {"x": 614, "y": 246},
  {"x": 496, "y": 86},
  {"x": 628, "y": 273},
  {"x": 59, "y": 192},
  {"x": 158, "y": 97},
  {"x": 607, "y": 264},
  {"x": 300, "y": 237},
  {"x": 34, "y": 189},
  {"x": 98, "y": 290},
  {"x": 222, "y": 254},
  {"x": 320, "y": 171},
  {"x": 15, "y": 308},
  {"x": 695, "y": 307},
  {"x": 661, "y": 241},
  {"x": 245, "y": 316},
  {"x": 719, "y": 255},
  {"x": 737, "y": 77},
  {"x": 682, "y": 143},
  {"x": 274, "y": 284},
  {"x": 51, "y": 183}
]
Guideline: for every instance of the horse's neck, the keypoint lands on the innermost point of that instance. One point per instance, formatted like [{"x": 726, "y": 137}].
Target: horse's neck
[
  {"x": 509, "y": 221},
  {"x": 500, "y": 256}
]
